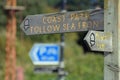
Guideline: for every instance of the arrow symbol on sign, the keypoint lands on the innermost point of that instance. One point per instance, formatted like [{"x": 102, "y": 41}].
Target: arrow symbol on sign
[
  {"x": 92, "y": 39},
  {"x": 26, "y": 24},
  {"x": 33, "y": 54}
]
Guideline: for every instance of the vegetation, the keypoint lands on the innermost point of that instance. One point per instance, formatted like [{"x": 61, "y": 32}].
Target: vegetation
[{"x": 79, "y": 65}]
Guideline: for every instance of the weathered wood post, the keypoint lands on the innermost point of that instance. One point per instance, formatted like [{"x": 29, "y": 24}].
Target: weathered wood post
[
  {"x": 112, "y": 24},
  {"x": 10, "y": 9}
]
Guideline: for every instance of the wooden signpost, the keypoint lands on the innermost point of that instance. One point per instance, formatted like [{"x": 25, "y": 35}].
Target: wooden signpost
[
  {"x": 112, "y": 24},
  {"x": 107, "y": 41},
  {"x": 63, "y": 22}
]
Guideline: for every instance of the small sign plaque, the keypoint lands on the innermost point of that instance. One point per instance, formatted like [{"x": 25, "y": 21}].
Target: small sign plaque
[
  {"x": 45, "y": 54},
  {"x": 99, "y": 41},
  {"x": 46, "y": 70}
]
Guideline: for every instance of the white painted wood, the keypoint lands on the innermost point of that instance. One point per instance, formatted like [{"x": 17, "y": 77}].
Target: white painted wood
[{"x": 112, "y": 24}]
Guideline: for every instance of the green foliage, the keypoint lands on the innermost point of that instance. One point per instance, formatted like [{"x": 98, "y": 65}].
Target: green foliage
[
  {"x": 73, "y": 5},
  {"x": 80, "y": 66},
  {"x": 2, "y": 53},
  {"x": 2, "y": 14}
]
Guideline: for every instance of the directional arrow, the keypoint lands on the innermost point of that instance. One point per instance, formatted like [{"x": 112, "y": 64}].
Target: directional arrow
[
  {"x": 45, "y": 54},
  {"x": 63, "y": 22},
  {"x": 99, "y": 41}
]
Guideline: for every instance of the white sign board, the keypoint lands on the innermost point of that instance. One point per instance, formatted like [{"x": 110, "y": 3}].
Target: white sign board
[{"x": 45, "y": 54}]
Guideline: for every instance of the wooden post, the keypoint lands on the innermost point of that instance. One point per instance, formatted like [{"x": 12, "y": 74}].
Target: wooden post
[
  {"x": 10, "y": 42},
  {"x": 11, "y": 9},
  {"x": 112, "y": 24}
]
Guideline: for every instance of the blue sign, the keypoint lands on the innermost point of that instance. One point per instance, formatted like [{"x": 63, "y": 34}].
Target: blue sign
[{"x": 45, "y": 54}]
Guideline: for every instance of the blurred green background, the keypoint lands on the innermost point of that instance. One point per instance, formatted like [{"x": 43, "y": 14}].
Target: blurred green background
[{"x": 80, "y": 64}]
